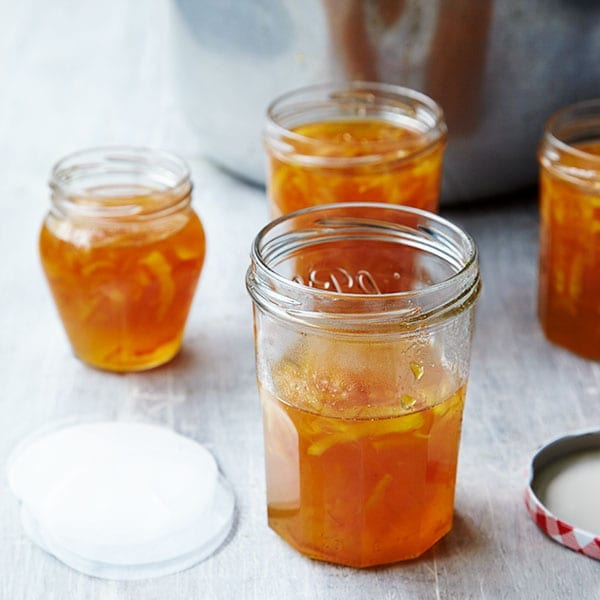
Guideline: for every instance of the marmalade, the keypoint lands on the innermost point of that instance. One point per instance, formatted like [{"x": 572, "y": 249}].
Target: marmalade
[
  {"x": 569, "y": 283},
  {"x": 399, "y": 166},
  {"x": 360, "y": 469},
  {"x": 123, "y": 288}
]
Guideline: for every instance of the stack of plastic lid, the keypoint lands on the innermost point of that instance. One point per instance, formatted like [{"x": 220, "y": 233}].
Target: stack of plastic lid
[{"x": 121, "y": 500}]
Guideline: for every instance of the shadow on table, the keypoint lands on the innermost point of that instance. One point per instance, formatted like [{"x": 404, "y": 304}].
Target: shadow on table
[{"x": 463, "y": 539}]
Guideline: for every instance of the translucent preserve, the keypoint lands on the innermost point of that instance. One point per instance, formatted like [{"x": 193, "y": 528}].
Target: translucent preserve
[
  {"x": 122, "y": 251},
  {"x": 363, "y": 319},
  {"x": 359, "y": 141},
  {"x": 569, "y": 275}
]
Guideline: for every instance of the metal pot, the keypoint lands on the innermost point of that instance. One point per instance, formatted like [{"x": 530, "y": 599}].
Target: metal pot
[{"x": 497, "y": 67}]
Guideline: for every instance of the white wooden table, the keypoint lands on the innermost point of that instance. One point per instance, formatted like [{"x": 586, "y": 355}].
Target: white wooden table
[{"x": 77, "y": 74}]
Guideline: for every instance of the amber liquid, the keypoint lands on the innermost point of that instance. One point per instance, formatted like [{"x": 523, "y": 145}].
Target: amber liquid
[
  {"x": 124, "y": 290},
  {"x": 569, "y": 282},
  {"x": 408, "y": 172},
  {"x": 360, "y": 470}
]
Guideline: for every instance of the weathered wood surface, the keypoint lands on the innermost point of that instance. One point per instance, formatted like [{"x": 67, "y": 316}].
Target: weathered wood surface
[{"x": 76, "y": 74}]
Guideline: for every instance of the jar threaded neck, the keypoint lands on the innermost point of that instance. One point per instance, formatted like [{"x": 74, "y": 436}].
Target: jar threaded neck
[{"x": 120, "y": 182}]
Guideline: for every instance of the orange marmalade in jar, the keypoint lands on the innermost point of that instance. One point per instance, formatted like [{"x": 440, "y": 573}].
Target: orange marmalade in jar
[
  {"x": 362, "y": 371},
  {"x": 569, "y": 277},
  {"x": 354, "y": 142},
  {"x": 122, "y": 250}
]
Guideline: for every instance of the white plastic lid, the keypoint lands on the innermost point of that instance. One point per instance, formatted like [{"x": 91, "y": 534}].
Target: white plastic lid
[{"x": 121, "y": 500}]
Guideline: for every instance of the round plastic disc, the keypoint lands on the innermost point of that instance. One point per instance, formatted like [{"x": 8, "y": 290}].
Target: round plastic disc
[{"x": 121, "y": 500}]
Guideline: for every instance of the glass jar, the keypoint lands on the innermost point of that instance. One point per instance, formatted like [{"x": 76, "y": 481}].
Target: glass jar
[
  {"x": 122, "y": 251},
  {"x": 355, "y": 141},
  {"x": 569, "y": 272},
  {"x": 363, "y": 317}
]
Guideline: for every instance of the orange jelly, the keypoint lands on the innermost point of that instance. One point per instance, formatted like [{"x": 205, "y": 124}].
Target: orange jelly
[
  {"x": 359, "y": 474},
  {"x": 403, "y": 174},
  {"x": 358, "y": 142},
  {"x": 122, "y": 262},
  {"x": 569, "y": 283}
]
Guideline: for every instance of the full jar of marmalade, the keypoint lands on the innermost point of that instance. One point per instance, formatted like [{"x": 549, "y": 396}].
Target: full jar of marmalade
[
  {"x": 363, "y": 317},
  {"x": 569, "y": 273},
  {"x": 122, "y": 251},
  {"x": 355, "y": 141}
]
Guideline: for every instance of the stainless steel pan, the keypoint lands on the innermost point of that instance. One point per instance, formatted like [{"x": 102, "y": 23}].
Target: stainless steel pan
[{"x": 497, "y": 67}]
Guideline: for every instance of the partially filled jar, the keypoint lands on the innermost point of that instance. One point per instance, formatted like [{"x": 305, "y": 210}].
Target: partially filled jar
[
  {"x": 354, "y": 142},
  {"x": 363, "y": 319},
  {"x": 122, "y": 250},
  {"x": 569, "y": 276}
]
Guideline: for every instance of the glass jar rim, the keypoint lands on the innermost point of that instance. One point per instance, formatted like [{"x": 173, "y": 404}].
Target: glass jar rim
[
  {"x": 568, "y": 115},
  {"x": 276, "y": 293},
  {"x": 168, "y": 172},
  {"x": 394, "y": 99}
]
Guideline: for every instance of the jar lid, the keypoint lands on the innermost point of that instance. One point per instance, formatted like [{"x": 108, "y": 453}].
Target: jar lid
[
  {"x": 564, "y": 487},
  {"x": 121, "y": 500}
]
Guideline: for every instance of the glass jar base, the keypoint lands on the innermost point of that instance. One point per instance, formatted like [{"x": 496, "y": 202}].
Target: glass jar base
[
  {"x": 136, "y": 362},
  {"x": 336, "y": 556},
  {"x": 587, "y": 350}
]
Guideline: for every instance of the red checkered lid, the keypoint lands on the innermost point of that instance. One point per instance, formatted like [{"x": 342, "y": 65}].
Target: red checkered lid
[{"x": 560, "y": 531}]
